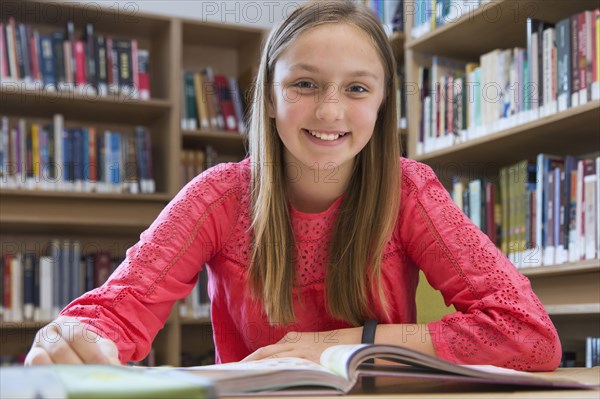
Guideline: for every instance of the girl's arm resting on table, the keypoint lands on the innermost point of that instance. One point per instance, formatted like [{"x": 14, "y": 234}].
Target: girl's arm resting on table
[{"x": 310, "y": 345}]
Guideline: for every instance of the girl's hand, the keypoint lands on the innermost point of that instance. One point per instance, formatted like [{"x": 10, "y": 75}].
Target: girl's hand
[
  {"x": 66, "y": 340},
  {"x": 307, "y": 345}
]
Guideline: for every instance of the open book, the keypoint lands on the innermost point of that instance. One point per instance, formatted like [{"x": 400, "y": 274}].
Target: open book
[{"x": 342, "y": 366}]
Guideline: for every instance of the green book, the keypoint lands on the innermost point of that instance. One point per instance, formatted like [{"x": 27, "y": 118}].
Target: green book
[{"x": 101, "y": 381}]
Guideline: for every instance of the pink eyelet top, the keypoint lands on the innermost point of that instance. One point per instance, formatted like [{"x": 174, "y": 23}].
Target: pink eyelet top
[{"x": 498, "y": 318}]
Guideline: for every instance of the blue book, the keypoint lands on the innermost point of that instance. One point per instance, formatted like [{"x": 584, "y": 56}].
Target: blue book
[{"x": 47, "y": 66}]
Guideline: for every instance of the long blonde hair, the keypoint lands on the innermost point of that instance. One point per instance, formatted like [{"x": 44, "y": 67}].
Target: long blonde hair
[{"x": 372, "y": 195}]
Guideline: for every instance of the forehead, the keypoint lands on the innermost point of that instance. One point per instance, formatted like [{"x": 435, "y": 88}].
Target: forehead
[{"x": 334, "y": 48}]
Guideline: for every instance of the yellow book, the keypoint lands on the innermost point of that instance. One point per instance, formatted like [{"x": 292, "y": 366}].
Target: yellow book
[
  {"x": 203, "y": 114},
  {"x": 35, "y": 150}
]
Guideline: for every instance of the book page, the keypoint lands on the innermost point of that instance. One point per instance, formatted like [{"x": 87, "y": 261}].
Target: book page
[
  {"x": 337, "y": 358},
  {"x": 288, "y": 363}
]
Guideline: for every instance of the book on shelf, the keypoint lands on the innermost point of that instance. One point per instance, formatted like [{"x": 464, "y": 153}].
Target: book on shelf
[
  {"x": 211, "y": 101},
  {"x": 510, "y": 87},
  {"x": 389, "y": 12},
  {"x": 93, "y": 65},
  {"x": 197, "y": 304},
  {"x": 592, "y": 351},
  {"x": 35, "y": 287},
  {"x": 537, "y": 213},
  {"x": 51, "y": 157},
  {"x": 342, "y": 367}
]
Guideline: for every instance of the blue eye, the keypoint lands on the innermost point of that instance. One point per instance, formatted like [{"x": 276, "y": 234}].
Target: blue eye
[
  {"x": 305, "y": 85},
  {"x": 357, "y": 89}
]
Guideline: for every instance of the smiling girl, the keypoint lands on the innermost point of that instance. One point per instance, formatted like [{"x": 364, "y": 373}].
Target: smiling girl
[{"x": 323, "y": 228}]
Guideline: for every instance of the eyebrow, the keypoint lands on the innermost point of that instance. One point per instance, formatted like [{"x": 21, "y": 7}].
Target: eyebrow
[{"x": 312, "y": 68}]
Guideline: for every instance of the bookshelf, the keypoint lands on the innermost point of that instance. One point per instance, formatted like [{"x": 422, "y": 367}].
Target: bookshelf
[
  {"x": 113, "y": 221},
  {"x": 569, "y": 291}
]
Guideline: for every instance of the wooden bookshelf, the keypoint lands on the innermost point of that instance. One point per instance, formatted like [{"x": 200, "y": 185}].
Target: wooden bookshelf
[
  {"x": 113, "y": 222},
  {"x": 568, "y": 132},
  {"x": 571, "y": 291},
  {"x": 587, "y": 266},
  {"x": 497, "y": 24},
  {"x": 224, "y": 142}
]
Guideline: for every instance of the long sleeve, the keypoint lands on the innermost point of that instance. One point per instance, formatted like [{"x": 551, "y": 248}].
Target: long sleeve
[
  {"x": 133, "y": 305},
  {"x": 499, "y": 319}
]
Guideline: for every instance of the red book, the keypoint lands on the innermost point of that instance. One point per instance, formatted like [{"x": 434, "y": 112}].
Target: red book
[
  {"x": 6, "y": 280},
  {"x": 80, "y": 79},
  {"x": 34, "y": 57},
  {"x": 135, "y": 67},
  {"x": 490, "y": 217},
  {"x": 93, "y": 161},
  {"x": 143, "y": 74},
  {"x": 3, "y": 55},
  {"x": 226, "y": 103},
  {"x": 102, "y": 267}
]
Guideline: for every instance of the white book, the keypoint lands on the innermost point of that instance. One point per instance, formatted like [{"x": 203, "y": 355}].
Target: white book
[
  {"x": 588, "y": 352},
  {"x": 16, "y": 288},
  {"x": 475, "y": 202},
  {"x": 589, "y": 186},
  {"x": 47, "y": 265},
  {"x": 548, "y": 65},
  {"x": 579, "y": 212}
]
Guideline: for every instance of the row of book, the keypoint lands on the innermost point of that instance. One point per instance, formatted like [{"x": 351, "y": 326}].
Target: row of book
[
  {"x": 92, "y": 64},
  {"x": 389, "y": 12},
  {"x": 211, "y": 102},
  {"x": 197, "y": 304},
  {"x": 592, "y": 352},
  {"x": 52, "y": 157},
  {"x": 559, "y": 69},
  {"x": 36, "y": 287},
  {"x": 538, "y": 213},
  {"x": 427, "y": 15},
  {"x": 195, "y": 161}
]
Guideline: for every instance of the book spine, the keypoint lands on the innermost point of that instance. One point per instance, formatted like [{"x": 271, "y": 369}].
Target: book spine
[
  {"x": 135, "y": 70},
  {"x": 16, "y": 287},
  {"x": 144, "y": 74},
  {"x": 28, "y": 259},
  {"x": 11, "y": 48},
  {"x": 102, "y": 66},
  {"x": 7, "y": 285},
  {"x": 46, "y": 267},
  {"x": 4, "y": 71},
  {"x": 589, "y": 199},
  {"x": 59, "y": 59},
  {"x": 91, "y": 67},
  {"x": 563, "y": 49},
  {"x": 226, "y": 103},
  {"x": 191, "y": 117}
]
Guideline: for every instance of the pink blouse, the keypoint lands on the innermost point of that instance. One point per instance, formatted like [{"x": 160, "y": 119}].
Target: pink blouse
[{"x": 499, "y": 320}]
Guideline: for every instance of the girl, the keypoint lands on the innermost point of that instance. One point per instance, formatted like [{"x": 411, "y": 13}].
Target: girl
[{"x": 323, "y": 228}]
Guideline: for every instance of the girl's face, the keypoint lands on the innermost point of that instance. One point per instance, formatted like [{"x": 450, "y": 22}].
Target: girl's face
[{"x": 328, "y": 86}]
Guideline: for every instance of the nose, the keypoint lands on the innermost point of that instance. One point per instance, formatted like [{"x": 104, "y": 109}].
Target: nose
[{"x": 330, "y": 107}]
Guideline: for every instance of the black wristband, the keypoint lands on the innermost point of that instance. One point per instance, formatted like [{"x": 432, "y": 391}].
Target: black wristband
[
  {"x": 368, "y": 332},
  {"x": 368, "y": 337}
]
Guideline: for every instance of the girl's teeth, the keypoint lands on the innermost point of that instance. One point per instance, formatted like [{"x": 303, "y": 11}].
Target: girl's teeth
[{"x": 325, "y": 136}]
